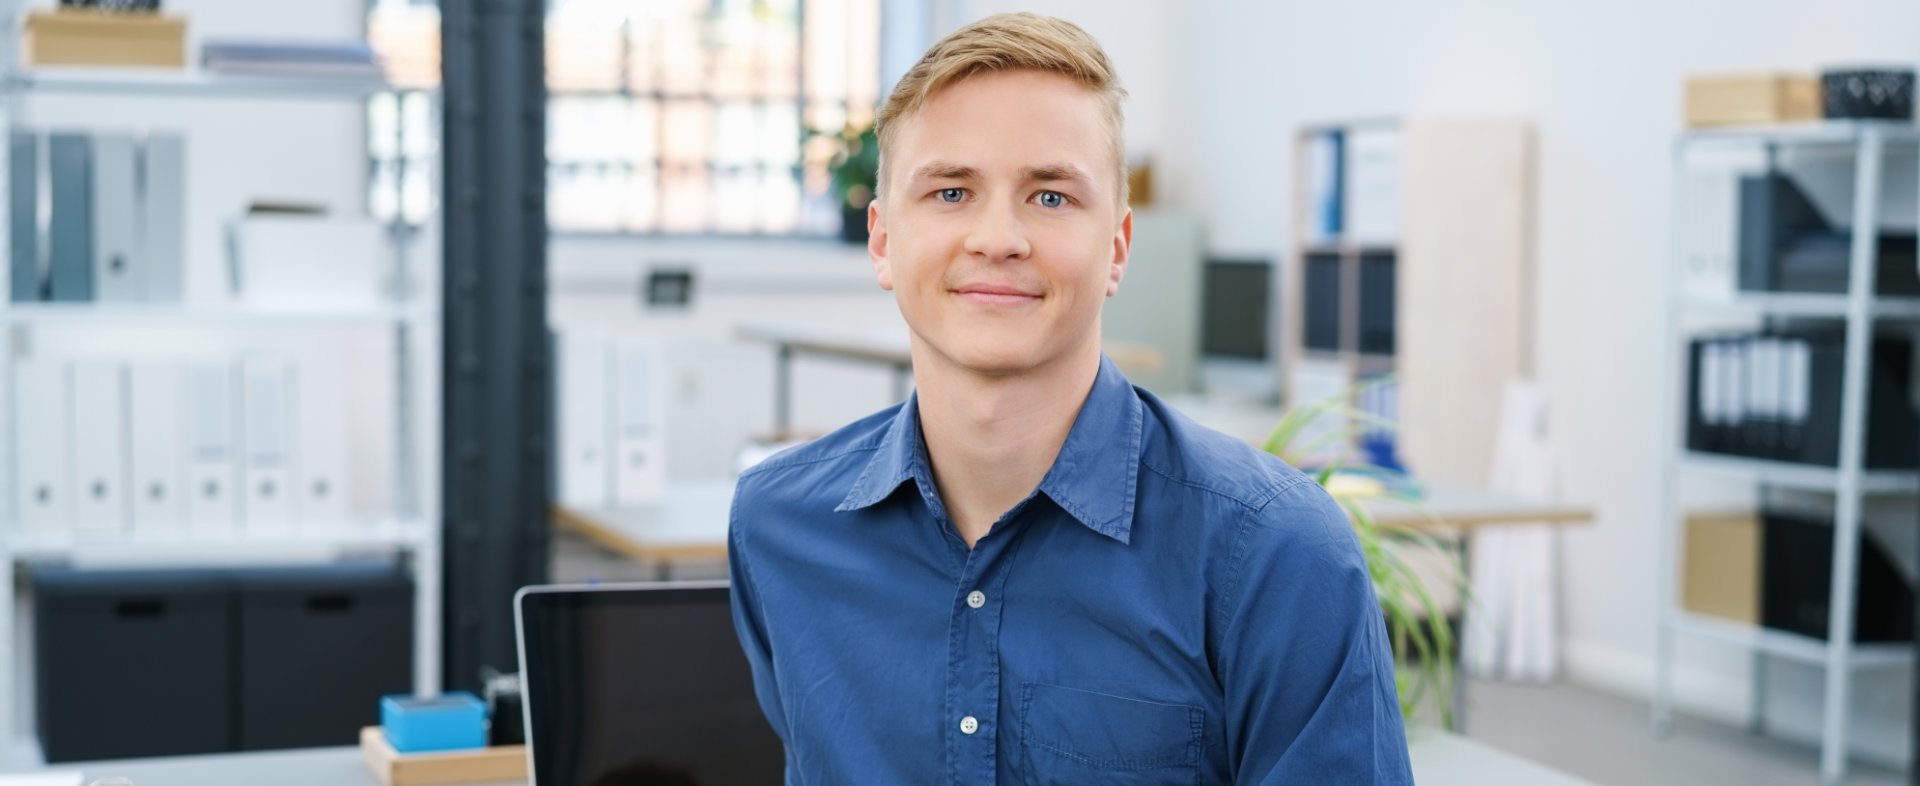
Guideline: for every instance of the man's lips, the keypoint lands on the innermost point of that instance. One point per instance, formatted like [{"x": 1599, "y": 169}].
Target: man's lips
[{"x": 991, "y": 295}]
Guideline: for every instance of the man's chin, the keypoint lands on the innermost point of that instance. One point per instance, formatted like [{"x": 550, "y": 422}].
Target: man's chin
[{"x": 996, "y": 359}]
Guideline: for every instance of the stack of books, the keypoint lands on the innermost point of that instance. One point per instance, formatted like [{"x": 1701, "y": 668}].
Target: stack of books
[{"x": 353, "y": 59}]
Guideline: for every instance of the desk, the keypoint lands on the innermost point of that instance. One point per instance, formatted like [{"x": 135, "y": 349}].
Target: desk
[
  {"x": 1439, "y": 759},
  {"x": 689, "y": 524}
]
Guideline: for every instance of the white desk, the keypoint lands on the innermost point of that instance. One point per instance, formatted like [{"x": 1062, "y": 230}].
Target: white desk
[
  {"x": 689, "y": 524},
  {"x": 1439, "y": 759}
]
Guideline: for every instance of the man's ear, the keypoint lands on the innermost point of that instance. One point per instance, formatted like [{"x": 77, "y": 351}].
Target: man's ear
[
  {"x": 1122, "y": 251},
  {"x": 877, "y": 245}
]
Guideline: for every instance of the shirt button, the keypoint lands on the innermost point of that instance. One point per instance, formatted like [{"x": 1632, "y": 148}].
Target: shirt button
[
  {"x": 976, "y": 599},
  {"x": 969, "y": 725}
]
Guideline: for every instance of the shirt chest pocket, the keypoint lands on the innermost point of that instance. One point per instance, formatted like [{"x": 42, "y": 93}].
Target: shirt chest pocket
[{"x": 1073, "y": 736}]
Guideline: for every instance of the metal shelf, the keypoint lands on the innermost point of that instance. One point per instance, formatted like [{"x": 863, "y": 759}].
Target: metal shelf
[
  {"x": 1804, "y": 476},
  {"x": 211, "y": 315},
  {"x": 1792, "y": 646},
  {"x": 297, "y": 541},
  {"x": 193, "y": 83},
  {"x": 1825, "y": 132},
  {"x": 1799, "y": 304}
]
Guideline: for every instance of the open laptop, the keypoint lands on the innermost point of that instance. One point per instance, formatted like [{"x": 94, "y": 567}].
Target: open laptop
[{"x": 639, "y": 685}]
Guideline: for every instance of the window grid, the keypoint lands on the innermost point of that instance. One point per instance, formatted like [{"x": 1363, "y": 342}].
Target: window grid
[{"x": 665, "y": 117}]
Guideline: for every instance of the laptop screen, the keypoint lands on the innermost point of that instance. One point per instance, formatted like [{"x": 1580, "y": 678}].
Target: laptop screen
[{"x": 641, "y": 685}]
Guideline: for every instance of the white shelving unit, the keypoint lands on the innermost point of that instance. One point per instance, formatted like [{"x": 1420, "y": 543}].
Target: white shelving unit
[
  {"x": 1849, "y": 483},
  {"x": 410, "y": 527}
]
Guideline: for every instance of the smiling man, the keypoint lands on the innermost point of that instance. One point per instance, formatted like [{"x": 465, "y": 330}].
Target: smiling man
[{"x": 1032, "y": 571}]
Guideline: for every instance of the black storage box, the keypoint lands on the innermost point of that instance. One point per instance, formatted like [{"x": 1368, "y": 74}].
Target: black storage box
[
  {"x": 1796, "y": 581},
  {"x": 318, "y": 647},
  {"x": 1867, "y": 93},
  {"x": 132, "y": 663}
]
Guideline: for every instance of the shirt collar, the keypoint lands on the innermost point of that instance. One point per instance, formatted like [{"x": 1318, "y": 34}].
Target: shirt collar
[{"x": 1092, "y": 479}]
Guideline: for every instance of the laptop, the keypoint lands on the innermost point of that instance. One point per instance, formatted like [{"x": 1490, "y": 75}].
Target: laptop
[{"x": 639, "y": 685}]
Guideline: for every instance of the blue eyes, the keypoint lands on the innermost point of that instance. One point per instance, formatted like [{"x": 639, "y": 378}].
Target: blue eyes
[{"x": 954, "y": 196}]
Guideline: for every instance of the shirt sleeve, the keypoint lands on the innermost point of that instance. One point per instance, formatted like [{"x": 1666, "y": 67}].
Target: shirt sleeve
[
  {"x": 1304, "y": 661},
  {"x": 748, "y": 625}
]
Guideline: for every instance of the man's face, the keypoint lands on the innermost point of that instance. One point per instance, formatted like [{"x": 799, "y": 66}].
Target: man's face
[{"x": 1001, "y": 232}]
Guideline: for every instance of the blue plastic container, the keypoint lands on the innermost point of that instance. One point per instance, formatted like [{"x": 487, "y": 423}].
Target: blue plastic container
[{"x": 449, "y": 722}]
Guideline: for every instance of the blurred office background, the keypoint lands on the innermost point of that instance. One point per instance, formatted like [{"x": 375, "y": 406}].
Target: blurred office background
[{"x": 334, "y": 322}]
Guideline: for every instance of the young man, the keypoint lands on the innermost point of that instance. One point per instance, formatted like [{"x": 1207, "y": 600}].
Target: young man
[{"x": 1031, "y": 571}]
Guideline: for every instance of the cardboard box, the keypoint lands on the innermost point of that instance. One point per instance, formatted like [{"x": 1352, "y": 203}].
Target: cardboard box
[
  {"x": 1720, "y": 571},
  {"x": 93, "y": 38},
  {"x": 1736, "y": 99}
]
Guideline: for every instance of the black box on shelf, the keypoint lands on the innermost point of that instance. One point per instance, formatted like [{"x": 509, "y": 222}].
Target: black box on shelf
[
  {"x": 317, "y": 649},
  {"x": 1880, "y": 93},
  {"x": 1776, "y": 396},
  {"x": 1787, "y": 246},
  {"x": 1322, "y": 305},
  {"x": 132, "y": 663},
  {"x": 1796, "y": 582}
]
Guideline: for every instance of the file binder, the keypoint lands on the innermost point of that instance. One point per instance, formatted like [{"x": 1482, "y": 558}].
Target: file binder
[
  {"x": 43, "y": 486},
  {"x": 162, "y": 213},
  {"x": 585, "y": 468},
  {"x": 639, "y": 472},
  {"x": 157, "y": 424},
  {"x": 117, "y": 268},
  {"x": 266, "y": 438},
  {"x": 23, "y": 218},
  {"x": 321, "y": 458},
  {"x": 1323, "y": 302},
  {"x": 100, "y": 446},
  {"x": 70, "y": 271},
  {"x": 213, "y": 469},
  {"x": 1776, "y": 396}
]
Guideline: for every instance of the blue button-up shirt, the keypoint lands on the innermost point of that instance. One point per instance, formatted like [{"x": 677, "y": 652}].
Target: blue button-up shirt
[{"x": 1170, "y": 606}]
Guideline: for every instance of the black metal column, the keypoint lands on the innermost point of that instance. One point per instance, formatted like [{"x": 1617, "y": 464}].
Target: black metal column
[{"x": 497, "y": 362}]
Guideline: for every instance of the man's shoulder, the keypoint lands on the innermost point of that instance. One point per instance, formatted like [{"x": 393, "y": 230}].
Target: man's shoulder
[
  {"x": 845, "y": 450},
  {"x": 1189, "y": 454}
]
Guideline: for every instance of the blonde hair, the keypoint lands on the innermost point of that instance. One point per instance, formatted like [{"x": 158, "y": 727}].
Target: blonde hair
[{"x": 1009, "y": 42}]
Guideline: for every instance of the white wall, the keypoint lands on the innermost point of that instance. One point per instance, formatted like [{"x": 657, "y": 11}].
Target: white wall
[{"x": 1602, "y": 84}]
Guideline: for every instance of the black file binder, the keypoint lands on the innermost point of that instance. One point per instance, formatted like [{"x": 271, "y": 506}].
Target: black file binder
[
  {"x": 1322, "y": 304},
  {"x": 1377, "y": 303},
  {"x": 1796, "y": 565},
  {"x": 1776, "y": 396}
]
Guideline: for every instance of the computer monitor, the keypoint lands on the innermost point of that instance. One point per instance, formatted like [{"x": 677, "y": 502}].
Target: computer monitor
[
  {"x": 639, "y": 685},
  {"x": 1237, "y": 329}
]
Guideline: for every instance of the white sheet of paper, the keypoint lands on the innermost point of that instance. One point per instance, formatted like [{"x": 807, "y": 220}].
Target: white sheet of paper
[{"x": 42, "y": 779}]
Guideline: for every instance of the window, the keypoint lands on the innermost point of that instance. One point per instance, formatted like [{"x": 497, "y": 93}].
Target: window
[{"x": 686, "y": 117}]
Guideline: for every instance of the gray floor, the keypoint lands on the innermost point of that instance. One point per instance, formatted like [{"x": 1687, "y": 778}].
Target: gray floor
[
  {"x": 1583, "y": 732},
  {"x": 1608, "y": 740}
]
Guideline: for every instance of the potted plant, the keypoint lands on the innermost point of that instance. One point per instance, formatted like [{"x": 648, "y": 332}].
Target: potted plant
[
  {"x": 855, "y": 171},
  {"x": 1422, "y": 636}
]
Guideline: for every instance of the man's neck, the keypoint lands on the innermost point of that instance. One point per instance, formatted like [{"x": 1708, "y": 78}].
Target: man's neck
[{"x": 992, "y": 439}]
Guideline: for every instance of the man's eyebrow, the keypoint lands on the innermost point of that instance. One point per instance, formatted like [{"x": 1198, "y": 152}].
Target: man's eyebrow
[
  {"x": 941, "y": 170},
  {"x": 1053, "y": 172}
]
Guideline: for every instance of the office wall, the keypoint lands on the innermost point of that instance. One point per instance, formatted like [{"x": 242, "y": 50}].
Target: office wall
[{"x": 1602, "y": 83}]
